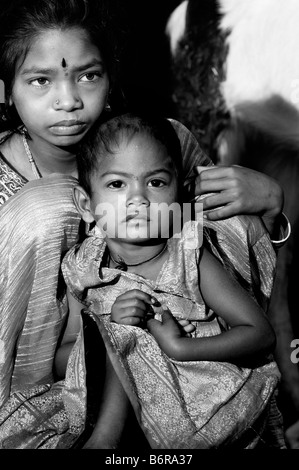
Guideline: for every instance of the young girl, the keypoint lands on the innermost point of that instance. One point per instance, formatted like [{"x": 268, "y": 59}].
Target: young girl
[
  {"x": 58, "y": 61},
  {"x": 201, "y": 385}
]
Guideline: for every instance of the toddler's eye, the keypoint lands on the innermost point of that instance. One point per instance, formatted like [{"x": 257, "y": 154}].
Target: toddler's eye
[
  {"x": 156, "y": 183},
  {"x": 116, "y": 184}
]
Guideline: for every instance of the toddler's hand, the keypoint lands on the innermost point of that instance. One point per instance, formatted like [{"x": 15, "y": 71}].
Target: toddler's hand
[
  {"x": 187, "y": 327},
  {"x": 132, "y": 307},
  {"x": 167, "y": 333}
]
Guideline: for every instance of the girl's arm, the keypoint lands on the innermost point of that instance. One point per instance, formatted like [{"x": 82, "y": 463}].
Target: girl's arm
[
  {"x": 249, "y": 338},
  {"x": 69, "y": 336}
]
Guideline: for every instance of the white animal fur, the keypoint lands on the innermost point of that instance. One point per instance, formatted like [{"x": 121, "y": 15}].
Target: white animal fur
[
  {"x": 176, "y": 25},
  {"x": 263, "y": 54}
]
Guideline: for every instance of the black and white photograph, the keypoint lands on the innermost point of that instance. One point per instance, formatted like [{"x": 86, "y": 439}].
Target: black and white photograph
[{"x": 149, "y": 188}]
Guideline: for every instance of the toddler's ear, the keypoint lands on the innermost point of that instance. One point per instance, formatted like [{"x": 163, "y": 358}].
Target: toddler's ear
[{"x": 82, "y": 202}]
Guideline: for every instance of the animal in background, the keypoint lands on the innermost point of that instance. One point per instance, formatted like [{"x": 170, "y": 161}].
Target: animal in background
[{"x": 235, "y": 85}]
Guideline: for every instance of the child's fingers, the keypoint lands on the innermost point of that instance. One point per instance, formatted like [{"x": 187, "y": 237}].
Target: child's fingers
[
  {"x": 133, "y": 316},
  {"x": 131, "y": 311},
  {"x": 153, "y": 326},
  {"x": 132, "y": 305},
  {"x": 187, "y": 325},
  {"x": 166, "y": 316},
  {"x": 183, "y": 322},
  {"x": 189, "y": 328},
  {"x": 132, "y": 320},
  {"x": 139, "y": 294}
]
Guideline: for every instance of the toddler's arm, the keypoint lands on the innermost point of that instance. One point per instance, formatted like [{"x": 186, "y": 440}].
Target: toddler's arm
[{"x": 249, "y": 338}]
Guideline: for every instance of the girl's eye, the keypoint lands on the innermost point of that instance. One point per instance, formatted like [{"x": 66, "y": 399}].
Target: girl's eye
[
  {"x": 156, "y": 183},
  {"x": 40, "y": 82},
  {"x": 116, "y": 184},
  {"x": 90, "y": 77}
]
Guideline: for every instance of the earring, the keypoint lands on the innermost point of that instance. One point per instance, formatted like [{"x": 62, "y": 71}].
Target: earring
[
  {"x": 57, "y": 102},
  {"x": 3, "y": 113},
  {"x": 4, "y": 110},
  {"x": 108, "y": 108}
]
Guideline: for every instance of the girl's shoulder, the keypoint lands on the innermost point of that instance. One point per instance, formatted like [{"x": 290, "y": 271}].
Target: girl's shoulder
[{"x": 11, "y": 181}]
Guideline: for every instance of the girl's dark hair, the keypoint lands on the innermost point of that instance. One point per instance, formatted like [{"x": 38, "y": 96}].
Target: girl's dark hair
[
  {"x": 21, "y": 21},
  {"x": 104, "y": 140}
]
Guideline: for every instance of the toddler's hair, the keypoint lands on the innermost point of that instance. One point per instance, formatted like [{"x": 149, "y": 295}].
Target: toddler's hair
[
  {"x": 104, "y": 140},
  {"x": 22, "y": 21}
]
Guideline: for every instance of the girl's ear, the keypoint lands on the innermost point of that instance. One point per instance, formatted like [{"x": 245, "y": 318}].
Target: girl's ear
[{"x": 82, "y": 202}]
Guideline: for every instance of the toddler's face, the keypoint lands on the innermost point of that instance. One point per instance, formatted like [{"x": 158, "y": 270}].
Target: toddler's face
[{"x": 133, "y": 191}]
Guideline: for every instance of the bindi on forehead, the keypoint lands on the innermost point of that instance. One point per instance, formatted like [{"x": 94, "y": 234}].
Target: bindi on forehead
[{"x": 64, "y": 66}]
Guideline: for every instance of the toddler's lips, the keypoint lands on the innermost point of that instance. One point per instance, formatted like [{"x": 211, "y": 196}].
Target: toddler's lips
[{"x": 137, "y": 216}]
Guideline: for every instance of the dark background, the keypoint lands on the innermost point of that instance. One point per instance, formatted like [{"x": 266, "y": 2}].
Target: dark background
[{"x": 145, "y": 72}]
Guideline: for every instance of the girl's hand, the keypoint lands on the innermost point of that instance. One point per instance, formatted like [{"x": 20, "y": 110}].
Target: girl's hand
[
  {"x": 239, "y": 190},
  {"x": 168, "y": 333},
  {"x": 132, "y": 307}
]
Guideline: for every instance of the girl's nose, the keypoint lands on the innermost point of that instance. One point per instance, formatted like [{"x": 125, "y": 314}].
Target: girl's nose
[{"x": 67, "y": 98}]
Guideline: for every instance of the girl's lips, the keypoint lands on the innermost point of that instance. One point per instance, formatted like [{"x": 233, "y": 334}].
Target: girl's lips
[{"x": 70, "y": 127}]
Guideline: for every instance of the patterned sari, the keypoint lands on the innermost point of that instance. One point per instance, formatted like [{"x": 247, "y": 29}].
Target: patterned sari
[
  {"x": 39, "y": 224},
  {"x": 10, "y": 180}
]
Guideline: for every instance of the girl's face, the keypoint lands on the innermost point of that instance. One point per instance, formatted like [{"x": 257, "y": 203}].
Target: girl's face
[
  {"x": 133, "y": 190},
  {"x": 61, "y": 87}
]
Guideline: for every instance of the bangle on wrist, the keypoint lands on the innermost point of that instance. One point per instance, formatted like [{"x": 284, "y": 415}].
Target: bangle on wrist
[{"x": 285, "y": 231}]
